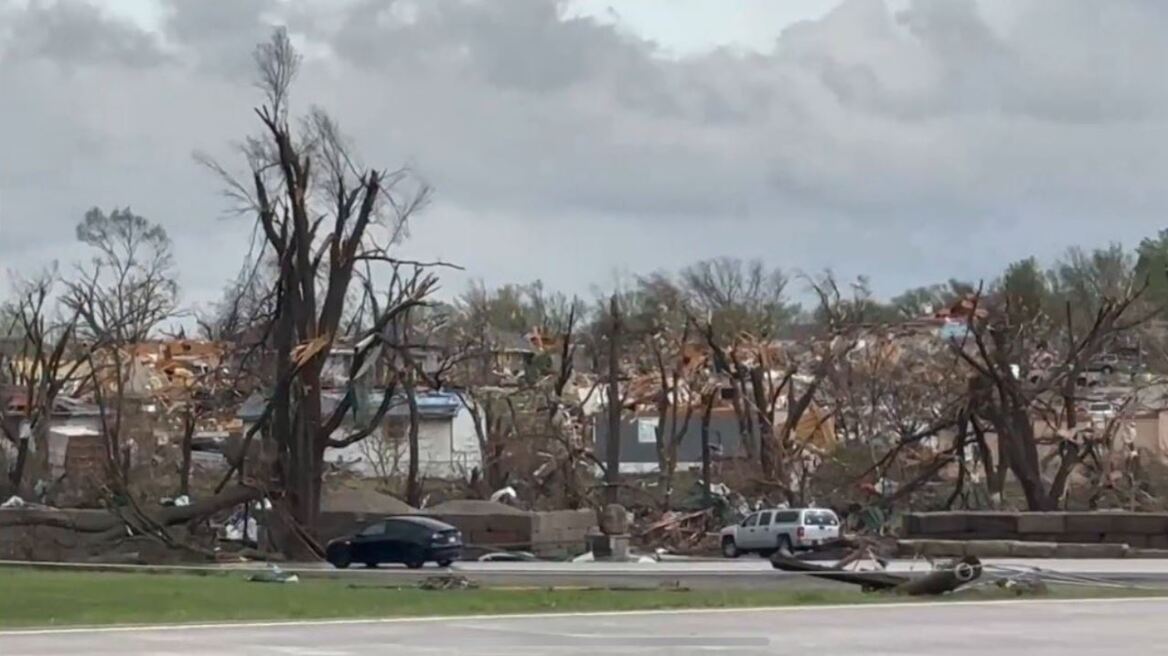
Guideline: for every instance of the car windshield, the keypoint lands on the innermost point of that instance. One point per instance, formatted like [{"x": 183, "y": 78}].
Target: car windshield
[{"x": 820, "y": 518}]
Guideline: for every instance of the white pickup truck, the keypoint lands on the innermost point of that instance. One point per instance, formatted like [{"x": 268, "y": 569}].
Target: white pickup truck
[{"x": 790, "y": 529}]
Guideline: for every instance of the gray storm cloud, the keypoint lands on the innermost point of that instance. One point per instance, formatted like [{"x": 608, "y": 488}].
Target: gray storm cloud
[{"x": 936, "y": 139}]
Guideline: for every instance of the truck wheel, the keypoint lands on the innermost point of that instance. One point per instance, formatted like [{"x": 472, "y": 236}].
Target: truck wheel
[
  {"x": 729, "y": 549},
  {"x": 785, "y": 545}
]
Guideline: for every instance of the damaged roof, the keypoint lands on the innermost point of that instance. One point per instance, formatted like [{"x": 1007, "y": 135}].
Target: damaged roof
[{"x": 431, "y": 405}]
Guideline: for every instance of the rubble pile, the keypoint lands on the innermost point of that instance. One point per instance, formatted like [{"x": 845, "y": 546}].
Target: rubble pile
[
  {"x": 447, "y": 582},
  {"x": 682, "y": 532}
]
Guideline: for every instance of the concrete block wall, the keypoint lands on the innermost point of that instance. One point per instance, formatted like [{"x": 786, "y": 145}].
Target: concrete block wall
[
  {"x": 562, "y": 533},
  {"x": 510, "y": 531},
  {"x": 491, "y": 530},
  {"x": 1010, "y": 549},
  {"x": 547, "y": 534},
  {"x": 332, "y": 525},
  {"x": 1140, "y": 530}
]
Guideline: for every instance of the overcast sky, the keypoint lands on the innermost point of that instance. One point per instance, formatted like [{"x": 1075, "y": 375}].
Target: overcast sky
[{"x": 575, "y": 142}]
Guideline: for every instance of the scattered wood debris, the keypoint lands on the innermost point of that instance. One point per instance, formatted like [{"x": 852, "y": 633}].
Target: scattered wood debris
[
  {"x": 447, "y": 582},
  {"x": 679, "y": 532}
]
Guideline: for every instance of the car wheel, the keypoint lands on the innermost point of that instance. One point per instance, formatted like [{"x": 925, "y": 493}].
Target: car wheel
[
  {"x": 415, "y": 564},
  {"x": 445, "y": 563},
  {"x": 729, "y": 549},
  {"x": 342, "y": 560},
  {"x": 371, "y": 564}
]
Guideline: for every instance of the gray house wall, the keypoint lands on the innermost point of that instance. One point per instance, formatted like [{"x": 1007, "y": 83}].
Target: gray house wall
[{"x": 639, "y": 447}]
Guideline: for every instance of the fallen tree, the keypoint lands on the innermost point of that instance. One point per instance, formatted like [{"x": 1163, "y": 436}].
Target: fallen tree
[{"x": 115, "y": 521}]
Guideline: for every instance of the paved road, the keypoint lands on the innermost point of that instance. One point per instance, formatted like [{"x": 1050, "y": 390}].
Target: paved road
[{"x": 1029, "y": 628}]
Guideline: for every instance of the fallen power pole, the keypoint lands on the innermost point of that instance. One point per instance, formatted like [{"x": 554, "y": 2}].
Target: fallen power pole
[{"x": 937, "y": 582}]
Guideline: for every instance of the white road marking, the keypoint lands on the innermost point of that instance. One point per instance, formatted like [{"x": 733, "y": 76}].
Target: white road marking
[
  {"x": 308, "y": 651},
  {"x": 157, "y": 628}
]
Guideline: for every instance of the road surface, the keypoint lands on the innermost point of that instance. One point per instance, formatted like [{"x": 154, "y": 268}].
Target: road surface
[{"x": 1032, "y": 628}]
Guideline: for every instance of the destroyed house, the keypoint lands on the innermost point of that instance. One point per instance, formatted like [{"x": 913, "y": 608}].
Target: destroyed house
[
  {"x": 447, "y": 441},
  {"x": 73, "y": 437},
  {"x": 638, "y": 439},
  {"x": 502, "y": 360}
]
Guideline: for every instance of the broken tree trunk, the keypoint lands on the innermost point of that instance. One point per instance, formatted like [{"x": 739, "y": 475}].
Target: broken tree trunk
[
  {"x": 413, "y": 484},
  {"x": 16, "y": 477},
  {"x": 707, "y": 410},
  {"x": 184, "y": 480},
  {"x": 87, "y": 522}
]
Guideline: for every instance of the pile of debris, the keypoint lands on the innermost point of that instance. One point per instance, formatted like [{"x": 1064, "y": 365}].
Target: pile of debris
[
  {"x": 682, "y": 532},
  {"x": 447, "y": 582},
  {"x": 693, "y": 528}
]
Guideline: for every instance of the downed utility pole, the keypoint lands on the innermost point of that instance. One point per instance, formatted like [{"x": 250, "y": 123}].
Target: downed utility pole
[
  {"x": 937, "y": 582},
  {"x": 946, "y": 579}
]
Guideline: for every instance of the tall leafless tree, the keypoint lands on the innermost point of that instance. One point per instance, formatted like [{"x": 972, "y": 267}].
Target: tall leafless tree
[
  {"x": 1013, "y": 393},
  {"x": 322, "y": 214}
]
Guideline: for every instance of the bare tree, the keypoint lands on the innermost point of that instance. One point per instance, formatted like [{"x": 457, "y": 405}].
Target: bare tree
[
  {"x": 384, "y": 451},
  {"x": 130, "y": 286},
  {"x": 738, "y": 296},
  {"x": 668, "y": 366},
  {"x": 244, "y": 312},
  {"x": 1013, "y": 392},
  {"x": 529, "y": 427},
  {"x": 896, "y": 389},
  {"x": 322, "y": 215},
  {"x": 48, "y": 364},
  {"x": 679, "y": 386},
  {"x": 774, "y": 382}
]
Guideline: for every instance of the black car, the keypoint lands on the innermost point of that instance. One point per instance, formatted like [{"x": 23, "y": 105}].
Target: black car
[{"x": 402, "y": 539}]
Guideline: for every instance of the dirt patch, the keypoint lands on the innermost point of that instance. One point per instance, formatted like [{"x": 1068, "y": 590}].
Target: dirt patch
[
  {"x": 474, "y": 507},
  {"x": 362, "y": 500}
]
